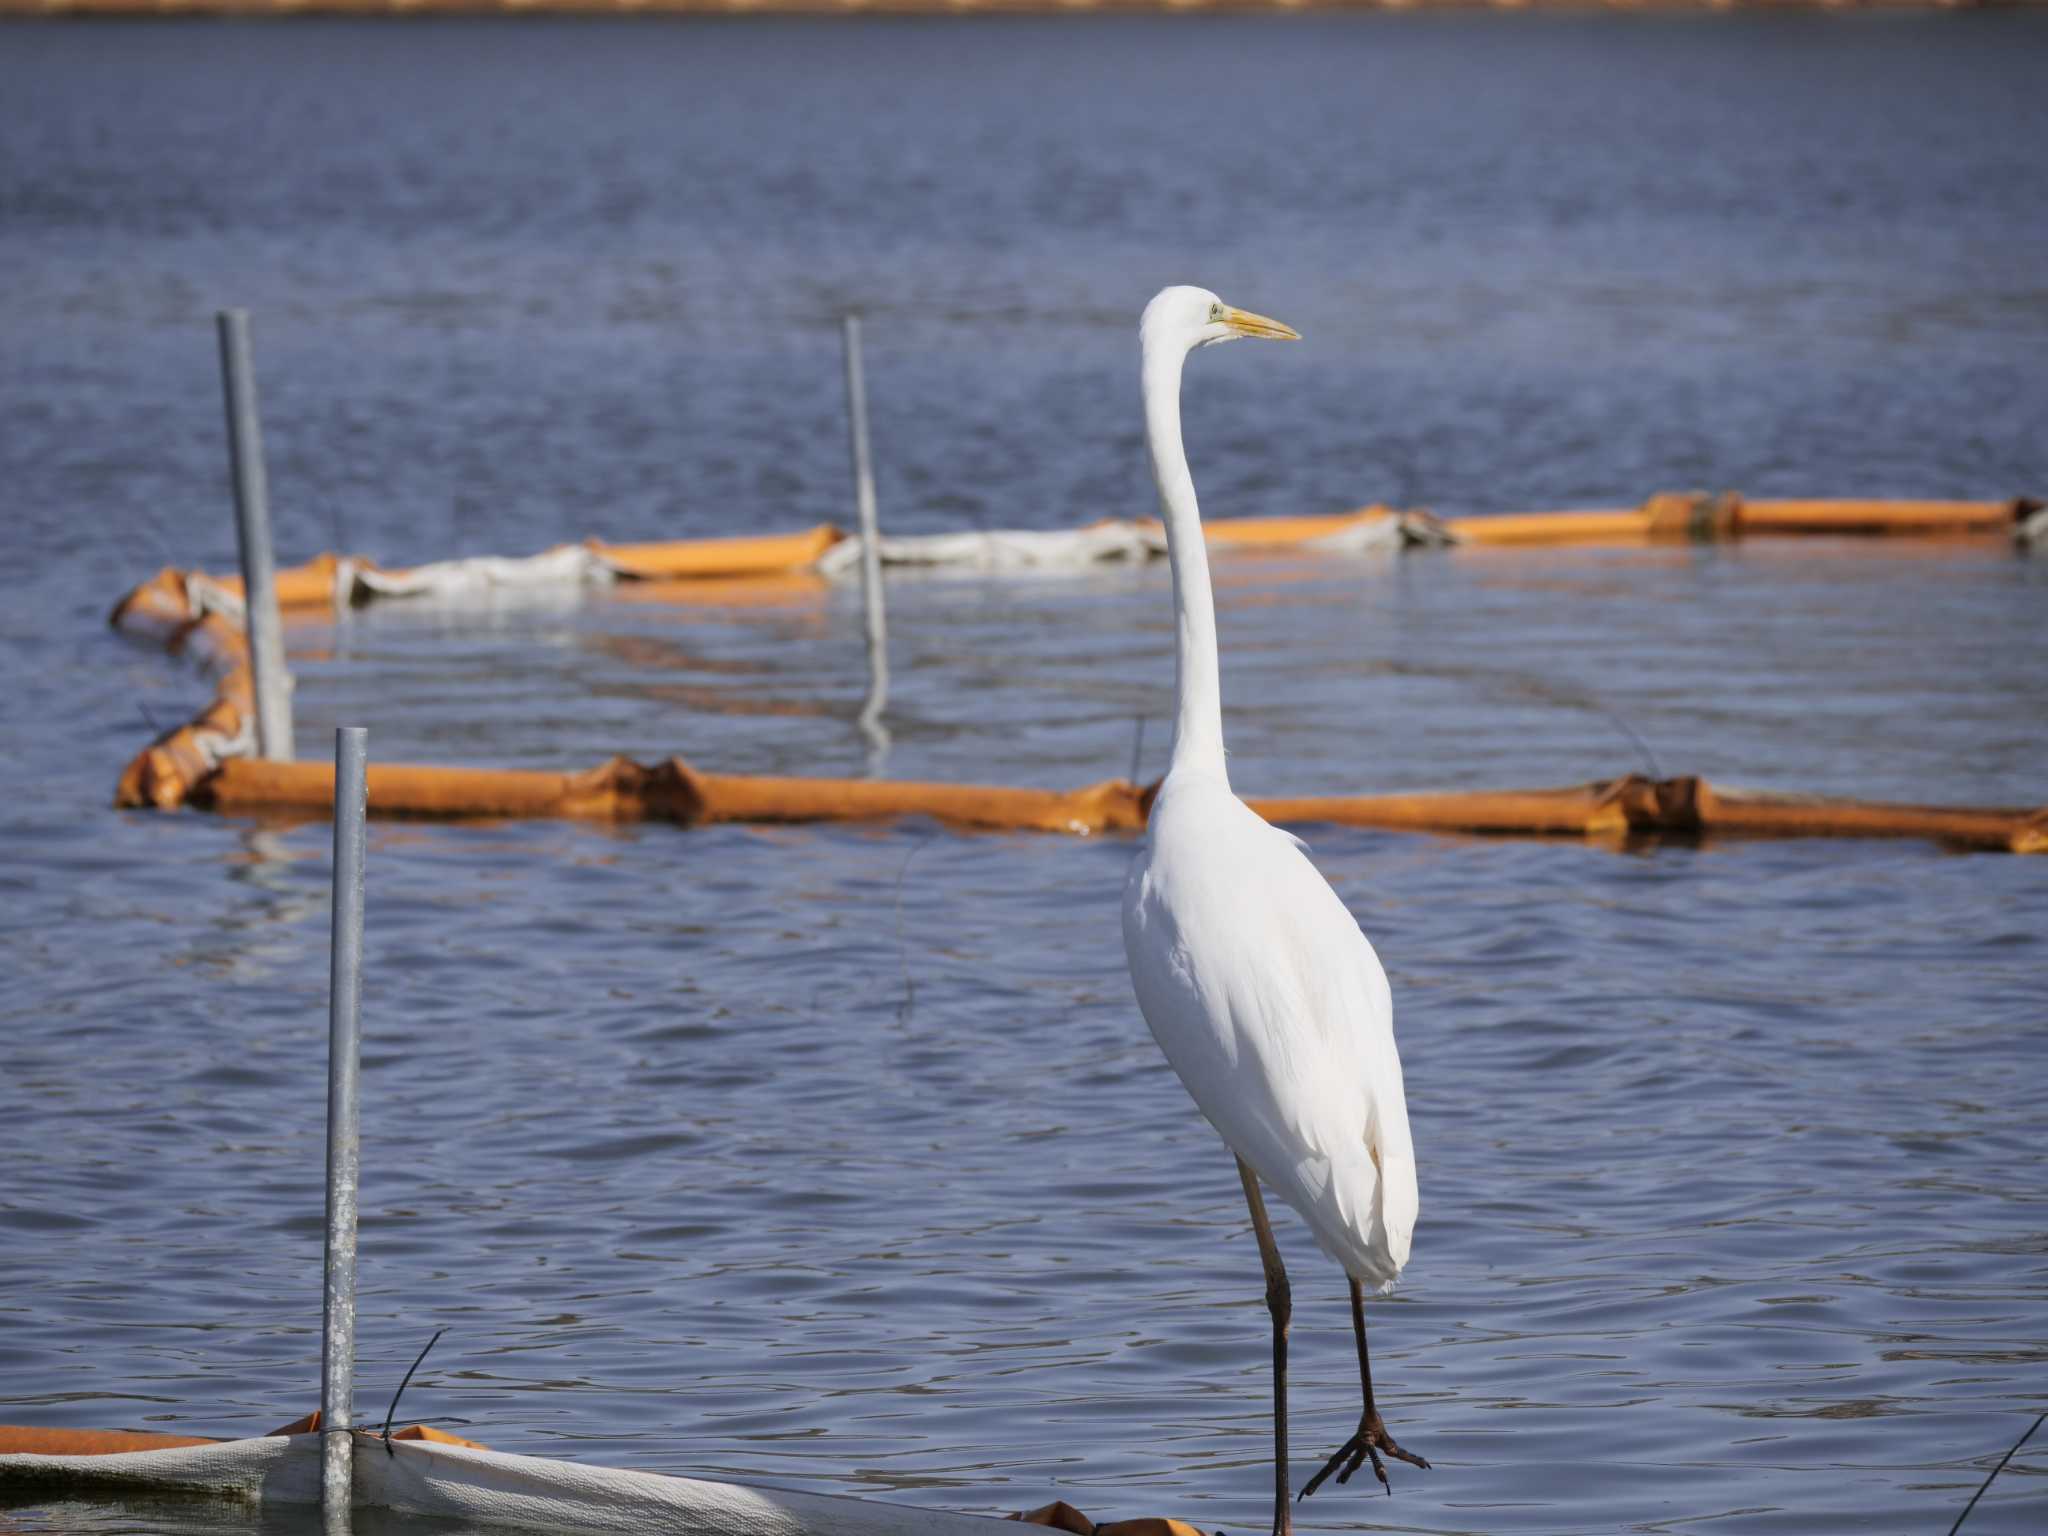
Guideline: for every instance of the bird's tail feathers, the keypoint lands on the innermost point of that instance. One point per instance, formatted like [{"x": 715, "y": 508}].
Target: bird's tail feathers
[
  {"x": 1363, "y": 1215},
  {"x": 1400, "y": 1202}
]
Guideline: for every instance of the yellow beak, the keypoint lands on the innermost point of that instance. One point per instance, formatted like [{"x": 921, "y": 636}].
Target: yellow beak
[{"x": 1245, "y": 323}]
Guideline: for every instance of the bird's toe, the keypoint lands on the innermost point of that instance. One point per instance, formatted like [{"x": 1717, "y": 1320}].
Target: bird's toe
[{"x": 1372, "y": 1439}]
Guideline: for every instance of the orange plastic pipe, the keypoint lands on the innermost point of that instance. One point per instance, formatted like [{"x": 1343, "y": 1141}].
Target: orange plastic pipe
[
  {"x": 1571, "y": 811},
  {"x": 621, "y": 790},
  {"x": 2018, "y": 831},
  {"x": 1636, "y": 806},
  {"x": 311, "y": 585},
  {"x": 28, "y": 1440},
  {"x": 299, "y": 586},
  {"x": 1111, "y": 806},
  {"x": 250, "y": 784},
  {"x": 1280, "y": 531},
  {"x": 1875, "y": 517},
  {"x": 723, "y": 557},
  {"x": 1616, "y": 527},
  {"x": 671, "y": 791}
]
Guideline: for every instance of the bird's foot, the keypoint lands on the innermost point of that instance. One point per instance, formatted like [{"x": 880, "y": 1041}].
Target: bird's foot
[{"x": 1372, "y": 1438}]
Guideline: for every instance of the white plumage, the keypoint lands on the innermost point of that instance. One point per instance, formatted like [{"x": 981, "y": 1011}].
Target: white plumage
[
  {"x": 1273, "y": 1009},
  {"x": 1256, "y": 982}
]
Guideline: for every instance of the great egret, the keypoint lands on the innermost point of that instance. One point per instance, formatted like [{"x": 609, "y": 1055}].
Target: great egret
[{"x": 1254, "y": 978}]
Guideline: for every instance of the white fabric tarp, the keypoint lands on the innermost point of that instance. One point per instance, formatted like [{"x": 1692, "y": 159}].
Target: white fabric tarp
[
  {"x": 420, "y": 1477},
  {"x": 1390, "y": 534},
  {"x": 565, "y": 568},
  {"x": 1004, "y": 549},
  {"x": 1011, "y": 549},
  {"x": 482, "y": 576},
  {"x": 568, "y": 568},
  {"x": 277, "y": 1469}
]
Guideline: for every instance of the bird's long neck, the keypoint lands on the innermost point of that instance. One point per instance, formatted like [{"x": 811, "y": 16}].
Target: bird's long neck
[{"x": 1198, "y": 694}]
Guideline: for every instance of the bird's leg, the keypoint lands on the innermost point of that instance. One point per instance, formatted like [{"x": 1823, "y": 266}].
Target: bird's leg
[
  {"x": 1280, "y": 1303},
  {"x": 1372, "y": 1437}
]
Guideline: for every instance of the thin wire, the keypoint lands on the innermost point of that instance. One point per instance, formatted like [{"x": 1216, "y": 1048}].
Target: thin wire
[
  {"x": 1616, "y": 718},
  {"x": 902, "y": 946},
  {"x": 392, "y": 1411},
  {"x": 2008, "y": 1456}
]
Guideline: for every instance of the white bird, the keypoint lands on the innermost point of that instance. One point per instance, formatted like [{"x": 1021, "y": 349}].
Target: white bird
[{"x": 1254, "y": 978}]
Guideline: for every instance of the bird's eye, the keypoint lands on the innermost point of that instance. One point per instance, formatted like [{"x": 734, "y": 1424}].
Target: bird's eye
[{"x": 1215, "y": 311}]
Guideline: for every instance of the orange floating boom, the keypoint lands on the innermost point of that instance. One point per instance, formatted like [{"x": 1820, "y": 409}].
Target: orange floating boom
[
  {"x": 1680, "y": 515},
  {"x": 622, "y": 790},
  {"x": 176, "y": 608},
  {"x": 1284, "y": 532},
  {"x": 767, "y": 555},
  {"x": 1667, "y": 515},
  {"x": 1894, "y": 518},
  {"x": 1605, "y": 527},
  {"x": 673, "y": 791},
  {"x": 298, "y": 586},
  {"x": 29, "y": 1440}
]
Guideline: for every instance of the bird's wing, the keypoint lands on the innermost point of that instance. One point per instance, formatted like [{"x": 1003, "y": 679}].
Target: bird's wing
[{"x": 1274, "y": 1010}]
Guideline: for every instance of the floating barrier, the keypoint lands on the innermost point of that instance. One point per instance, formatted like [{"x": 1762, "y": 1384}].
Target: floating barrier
[
  {"x": 1621, "y": 809},
  {"x": 164, "y": 772},
  {"x": 207, "y": 761},
  {"x": 1696, "y": 516},
  {"x": 425, "y": 1471},
  {"x": 332, "y": 582}
]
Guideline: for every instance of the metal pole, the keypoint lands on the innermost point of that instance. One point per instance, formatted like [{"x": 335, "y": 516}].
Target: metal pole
[
  {"x": 344, "y": 1049},
  {"x": 252, "y": 532},
  {"x": 870, "y": 551}
]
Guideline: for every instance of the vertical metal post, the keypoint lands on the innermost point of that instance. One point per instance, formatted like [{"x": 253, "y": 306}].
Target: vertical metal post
[
  {"x": 344, "y": 1049},
  {"x": 870, "y": 551},
  {"x": 252, "y": 531}
]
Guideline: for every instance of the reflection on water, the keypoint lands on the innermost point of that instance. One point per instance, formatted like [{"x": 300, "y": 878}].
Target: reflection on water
[
  {"x": 246, "y": 939},
  {"x": 838, "y": 1157}
]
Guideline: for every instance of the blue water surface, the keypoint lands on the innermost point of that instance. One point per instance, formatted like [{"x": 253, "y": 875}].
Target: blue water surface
[{"x": 838, "y": 1157}]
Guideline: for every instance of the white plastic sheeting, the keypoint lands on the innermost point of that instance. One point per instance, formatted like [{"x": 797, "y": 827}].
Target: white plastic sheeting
[
  {"x": 420, "y": 1477},
  {"x": 569, "y": 568},
  {"x": 481, "y": 577},
  {"x": 1005, "y": 549},
  {"x": 430, "y": 1479},
  {"x": 277, "y": 1469},
  {"x": 1390, "y": 534},
  {"x": 1112, "y": 542},
  {"x": 565, "y": 568},
  {"x": 218, "y": 746}
]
